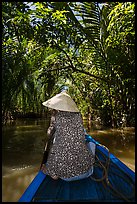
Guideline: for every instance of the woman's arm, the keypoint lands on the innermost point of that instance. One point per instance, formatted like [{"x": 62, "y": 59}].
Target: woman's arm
[
  {"x": 50, "y": 133},
  {"x": 51, "y": 128}
]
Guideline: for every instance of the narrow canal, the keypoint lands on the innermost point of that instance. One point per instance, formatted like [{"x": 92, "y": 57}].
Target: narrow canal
[{"x": 23, "y": 145}]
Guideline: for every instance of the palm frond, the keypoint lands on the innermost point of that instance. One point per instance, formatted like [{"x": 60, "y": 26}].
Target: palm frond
[{"x": 90, "y": 15}]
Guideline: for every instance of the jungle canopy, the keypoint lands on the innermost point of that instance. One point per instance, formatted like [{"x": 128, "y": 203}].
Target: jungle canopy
[{"x": 86, "y": 46}]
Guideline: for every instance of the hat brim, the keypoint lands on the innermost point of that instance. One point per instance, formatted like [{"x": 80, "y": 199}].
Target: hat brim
[{"x": 61, "y": 102}]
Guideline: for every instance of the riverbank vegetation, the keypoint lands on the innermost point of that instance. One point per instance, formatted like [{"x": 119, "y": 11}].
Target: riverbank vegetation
[{"x": 86, "y": 46}]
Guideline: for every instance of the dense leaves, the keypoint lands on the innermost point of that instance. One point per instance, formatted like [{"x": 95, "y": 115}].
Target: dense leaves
[{"x": 85, "y": 45}]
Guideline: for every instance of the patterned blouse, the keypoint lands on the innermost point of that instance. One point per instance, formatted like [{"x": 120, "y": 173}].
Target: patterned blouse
[{"x": 68, "y": 155}]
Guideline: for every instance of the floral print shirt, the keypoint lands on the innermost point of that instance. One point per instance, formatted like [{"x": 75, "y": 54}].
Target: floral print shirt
[{"x": 69, "y": 155}]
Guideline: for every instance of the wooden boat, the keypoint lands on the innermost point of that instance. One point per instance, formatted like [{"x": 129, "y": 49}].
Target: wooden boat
[{"x": 111, "y": 181}]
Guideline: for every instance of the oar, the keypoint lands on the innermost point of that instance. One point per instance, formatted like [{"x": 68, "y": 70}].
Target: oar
[
  {"x": 45, "y": 155},
  {"x": 47, "y": 148}
]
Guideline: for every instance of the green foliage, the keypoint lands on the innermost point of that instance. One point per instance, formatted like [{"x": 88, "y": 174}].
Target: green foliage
[
  {"x": 121, "y": 25},
  {"x": 51, "y": 44}
]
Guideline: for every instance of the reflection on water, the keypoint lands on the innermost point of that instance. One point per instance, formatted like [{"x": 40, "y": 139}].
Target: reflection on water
[
  {"x": 22, "y": 151},
  {"x": 15, "y": 182},
  {"x": 121, "y": 143}
]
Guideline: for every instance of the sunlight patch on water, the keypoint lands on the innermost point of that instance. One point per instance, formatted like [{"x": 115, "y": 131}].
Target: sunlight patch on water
[
  {"x": 17, "y": 132},
  {"x": 130, "y": 164},
  {"x": 27, "y": 127},
  {"x": 6, "y": 171},
  {"x": 130, "y": 130},
  {"x": 19, "y": 180}
]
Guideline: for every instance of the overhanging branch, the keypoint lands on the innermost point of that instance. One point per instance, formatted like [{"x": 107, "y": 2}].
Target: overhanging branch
[
  {"x": 89, "y": 74},
  {"x": 74, "y": 68}
]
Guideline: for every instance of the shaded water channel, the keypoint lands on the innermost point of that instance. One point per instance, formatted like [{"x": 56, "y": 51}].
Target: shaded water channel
[{"x": 23, "y": 145}]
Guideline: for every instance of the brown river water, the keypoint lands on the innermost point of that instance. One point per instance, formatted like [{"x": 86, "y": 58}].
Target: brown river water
[{"x": 23, "y": 146}]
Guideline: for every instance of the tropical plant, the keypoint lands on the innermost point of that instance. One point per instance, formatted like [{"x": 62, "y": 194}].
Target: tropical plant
[{"x": 86, "y": 45}]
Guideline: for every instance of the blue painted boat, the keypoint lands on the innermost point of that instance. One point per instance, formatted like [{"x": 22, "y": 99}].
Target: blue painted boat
[{"x": 111, "y": 181}]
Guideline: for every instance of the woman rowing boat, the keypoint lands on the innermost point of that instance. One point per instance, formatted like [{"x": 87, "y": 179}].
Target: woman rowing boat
[{"x": 68, "y": 157}]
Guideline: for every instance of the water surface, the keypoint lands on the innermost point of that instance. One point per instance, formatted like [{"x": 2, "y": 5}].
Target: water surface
[{"x": 23, "y": 146}]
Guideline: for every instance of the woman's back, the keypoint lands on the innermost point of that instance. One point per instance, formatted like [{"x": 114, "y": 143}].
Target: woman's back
[
  {"x": 69, "y": 125},
  {"x": 69, "y": 155}
]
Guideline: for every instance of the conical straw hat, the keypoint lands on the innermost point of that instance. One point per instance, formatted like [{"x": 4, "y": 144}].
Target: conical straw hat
[{"x": 61, "y": 102}]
